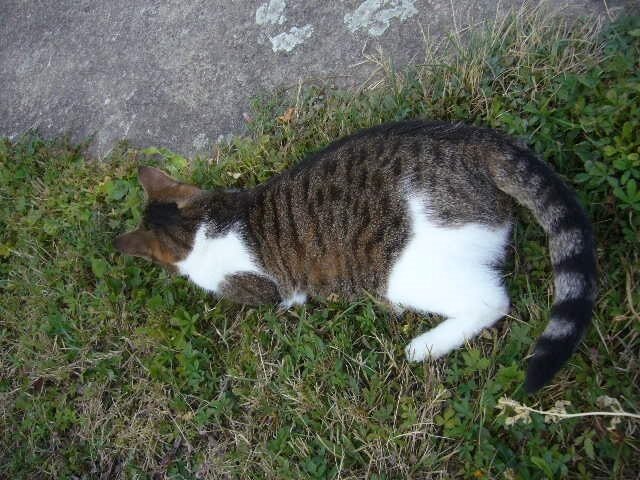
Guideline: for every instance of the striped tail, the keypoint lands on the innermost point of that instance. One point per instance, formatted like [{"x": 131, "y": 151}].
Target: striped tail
[{"x": 520, "y": 174}]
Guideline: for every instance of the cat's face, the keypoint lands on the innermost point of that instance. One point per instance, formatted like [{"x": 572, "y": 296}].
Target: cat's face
[{"x": 166, "y": 233}]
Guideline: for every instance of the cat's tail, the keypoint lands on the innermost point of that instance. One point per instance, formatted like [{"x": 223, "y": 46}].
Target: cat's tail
[{"x": 520, "y": 174}]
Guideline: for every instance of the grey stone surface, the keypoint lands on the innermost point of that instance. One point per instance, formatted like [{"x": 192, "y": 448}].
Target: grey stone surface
[{"x": 180, "y": 74}]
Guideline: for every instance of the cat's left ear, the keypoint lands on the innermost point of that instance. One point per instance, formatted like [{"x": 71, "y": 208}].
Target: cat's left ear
[{"x": 160, "y": 187}]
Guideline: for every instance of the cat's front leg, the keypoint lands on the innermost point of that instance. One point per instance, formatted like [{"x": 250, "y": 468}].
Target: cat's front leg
[{"x": 249, "y": 289}]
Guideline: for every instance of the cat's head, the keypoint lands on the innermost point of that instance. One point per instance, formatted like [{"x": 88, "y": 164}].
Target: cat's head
[{"x": 171, "y": 217}]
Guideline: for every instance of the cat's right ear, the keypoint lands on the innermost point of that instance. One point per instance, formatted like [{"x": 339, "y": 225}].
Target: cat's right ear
[
  {"x": 139, "y": 243},
  {"x": 161, "y": 187}
]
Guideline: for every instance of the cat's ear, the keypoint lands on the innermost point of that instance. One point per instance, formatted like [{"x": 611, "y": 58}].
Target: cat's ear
[
  {"x": 161, "y": 187},
  {"x": 139, "y": 243}
]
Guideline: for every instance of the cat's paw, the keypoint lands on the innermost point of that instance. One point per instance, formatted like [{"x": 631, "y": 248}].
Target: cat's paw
[
  {"x": 297, "y": 298},
  {"x": 425, "y": 346}
]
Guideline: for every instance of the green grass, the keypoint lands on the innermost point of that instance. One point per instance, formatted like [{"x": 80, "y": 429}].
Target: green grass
[{"x": 110, "y": 368}]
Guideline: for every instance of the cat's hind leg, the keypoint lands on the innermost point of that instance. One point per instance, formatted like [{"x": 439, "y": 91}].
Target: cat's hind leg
[
  {"x": 450, "y": 270},
  {"x": 477, "y": 308}
]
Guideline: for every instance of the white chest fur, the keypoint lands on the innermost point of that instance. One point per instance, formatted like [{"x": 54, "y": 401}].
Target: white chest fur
[{"x": 212, "y": 259}]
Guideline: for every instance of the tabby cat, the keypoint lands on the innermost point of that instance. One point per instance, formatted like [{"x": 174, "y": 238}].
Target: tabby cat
[{"x": 417, "y": 213}]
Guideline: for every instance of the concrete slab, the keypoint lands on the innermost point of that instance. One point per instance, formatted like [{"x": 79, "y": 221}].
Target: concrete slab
[{"x": 180, "y": 74}]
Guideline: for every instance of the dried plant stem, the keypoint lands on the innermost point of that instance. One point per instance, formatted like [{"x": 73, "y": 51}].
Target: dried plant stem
[
  {"x": 559, "y": 412},
  {"x": 583, "y": 414}
]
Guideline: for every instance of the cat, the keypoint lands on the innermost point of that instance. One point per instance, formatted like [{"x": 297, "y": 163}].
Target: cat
[{"x": 417, "y": 213}]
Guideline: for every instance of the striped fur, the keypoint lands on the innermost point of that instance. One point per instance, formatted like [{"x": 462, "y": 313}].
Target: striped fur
[
  {"x": 572, "y": 250},
  {"x": 340, "y": 222}
]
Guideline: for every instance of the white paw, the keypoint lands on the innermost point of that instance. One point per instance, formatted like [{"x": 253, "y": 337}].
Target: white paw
[
  {"x": 414, "y": 353},
  {"x": 425, "y": 346},
  {"x": 297, "y": 298}
]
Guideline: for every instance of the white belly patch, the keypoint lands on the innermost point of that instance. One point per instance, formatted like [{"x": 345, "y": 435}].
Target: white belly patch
[
  {"x": 212, "y": 259},
  {"x": 441, "y": 266}
]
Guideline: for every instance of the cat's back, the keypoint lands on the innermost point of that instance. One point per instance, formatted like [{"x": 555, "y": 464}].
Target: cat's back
[{"x": 339, "y": 219}]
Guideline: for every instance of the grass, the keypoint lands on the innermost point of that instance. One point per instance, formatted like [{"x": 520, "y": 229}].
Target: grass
[{"x": 109, "y": 368}]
